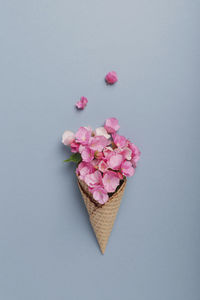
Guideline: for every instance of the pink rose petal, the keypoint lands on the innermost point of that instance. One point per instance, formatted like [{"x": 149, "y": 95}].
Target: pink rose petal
[
  {"x": 81, "y": 104},
  {"x": 127, "y": 168},
  {"x": 100, "y": 195},
  {"x": 111, "y": 125},
  {"x": 111, "y": 77},
  {"x": 110, "y": 181},
  {"x": 94, "y": 179}
]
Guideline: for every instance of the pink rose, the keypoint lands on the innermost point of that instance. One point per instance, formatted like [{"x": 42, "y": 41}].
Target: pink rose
[
  {"x": 135, "y": 153},
  {"x": 127, "y": 168},
  {"x": 74, "y": 147},
  {"x": 103, "y": 166},
  {"x": 100, "y": 194},
  {"x": 111, "y": 77},
  {"x": 110, "y": 181},
  {"x": 101, "y": 131},
  {"x": 119, "y": 140},
  {"x": 84, "y": 169},
  {"x": 125, "y": 152},
  {"x": 68, "y": 137},
  {"x": 87, "y": 154},
  {"x": 111, "y": 125},
  {"x": 82, "y": 103},
  {"x": 83, "y": 135},
  {"x": 107, "y": 151},
  {"x": 97, "y": 143},
  {"x": 115, "y": 160},
  {"x": 93, "y": 179}
]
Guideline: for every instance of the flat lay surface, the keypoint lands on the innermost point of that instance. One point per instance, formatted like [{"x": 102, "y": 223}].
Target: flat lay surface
[{"x": 52, "y": 53}]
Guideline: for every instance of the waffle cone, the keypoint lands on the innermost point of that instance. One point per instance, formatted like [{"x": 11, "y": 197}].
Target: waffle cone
[{"x": 102, "y": 217}]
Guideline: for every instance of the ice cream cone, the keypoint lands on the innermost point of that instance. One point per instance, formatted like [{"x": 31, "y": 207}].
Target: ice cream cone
[{"x": 102, "y": 217}]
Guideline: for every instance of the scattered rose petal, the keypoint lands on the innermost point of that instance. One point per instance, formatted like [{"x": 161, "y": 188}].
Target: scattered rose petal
[
  {"x": 81, "y": 104},
  {"x": 111, "y": 77}
]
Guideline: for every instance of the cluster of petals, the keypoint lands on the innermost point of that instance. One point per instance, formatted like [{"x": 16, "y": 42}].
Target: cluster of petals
[
  {"x": 111, "y": 77},
  {"x": 106, "y": 157},
  {"x": 81, "y": 104}
]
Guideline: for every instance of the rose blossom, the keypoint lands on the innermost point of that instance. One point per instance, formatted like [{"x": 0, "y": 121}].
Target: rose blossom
[
  {"x": 68, "y": 137},
  {"x": 74, "y": 147},
  {"x": 114, "y": 161},
  {"x": 100, "y": 194},
  {"x": 84, "y": 169},
  {"x": 97, "y": 143},
  {"x": 83, "y": 135},
  {"x": 119, "y": 140},
  {"x": 111, "y": 77},
  {"x": 127, "y": 168},
  {"x": 93, "y": 179},
  {"x": 110, "y": 181},
  {"x": 111, "y": 125},
  {"x": 82, "y": 103},
  {"x": 87, "y": 154},
  {"x": 107, "y": 151},
  {"x": 135, "y": 153},
  {"x": 101, "y": 131},
  {"x": 125, "y": 152},
  {"x": 102, "y": 166}
]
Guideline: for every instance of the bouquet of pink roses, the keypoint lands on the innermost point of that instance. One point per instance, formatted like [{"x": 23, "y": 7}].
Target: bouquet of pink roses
[{"x": 104, "y": 160}]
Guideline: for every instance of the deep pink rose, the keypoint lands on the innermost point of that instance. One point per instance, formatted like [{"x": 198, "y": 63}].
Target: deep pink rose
[{"x": 111, "y": 77}]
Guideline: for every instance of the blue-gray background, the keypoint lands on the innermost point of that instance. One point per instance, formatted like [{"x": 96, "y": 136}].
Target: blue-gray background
[{"x": 53, "y": 52}]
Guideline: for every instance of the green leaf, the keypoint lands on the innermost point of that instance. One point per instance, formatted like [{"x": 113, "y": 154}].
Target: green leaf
[{"x": 75, "y": 157}]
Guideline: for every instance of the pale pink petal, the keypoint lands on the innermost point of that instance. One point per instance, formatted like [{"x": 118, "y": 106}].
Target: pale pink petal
[
  {"x": 100, "y": 195},
  {"x": 127, "y": 168},
  {"x": 115, "y": 160},
  {"x": 87, "y": 154},
  {"x": 83, "y": 135},
  {"x": 84, "y": 169},
  {"x": 101, "y": 131},
  {"x": 103, "y": 166},
  {"x": 107, "y": 151},
  {"x": 111, "y": 125},
  {"x": 97, "y": 143},
  {"x": 93, "y": 179},
  {"x": 110, "y": 181},
  {"x": 68, "y": 137},
  {"x": 119, "y": 140},
  {"x": 125, "y": 152},
  {"x": 98, "y": 155},
  {"x": 74, "y": 147},
  {"x": 135, "y": 153},
  {"x": 111, "y": 77},
  {"x": 82, "y": 103}
]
